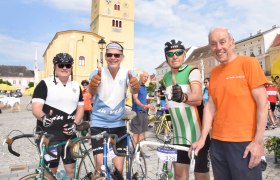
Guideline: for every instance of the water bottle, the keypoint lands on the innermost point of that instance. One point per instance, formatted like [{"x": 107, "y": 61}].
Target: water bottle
[{"x": 61, "y": 175}]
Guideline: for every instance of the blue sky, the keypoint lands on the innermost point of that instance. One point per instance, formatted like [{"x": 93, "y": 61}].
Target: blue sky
[{"x": 26, "y": 25}]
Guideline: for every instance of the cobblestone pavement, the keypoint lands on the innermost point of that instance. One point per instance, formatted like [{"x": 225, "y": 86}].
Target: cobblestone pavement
[{"x": 13, "y": 167}]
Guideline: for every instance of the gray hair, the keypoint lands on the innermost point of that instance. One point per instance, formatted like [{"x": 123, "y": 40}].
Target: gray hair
[{"x": 223, "y": 28}]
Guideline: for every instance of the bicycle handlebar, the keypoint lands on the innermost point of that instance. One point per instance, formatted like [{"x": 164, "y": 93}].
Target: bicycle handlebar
[{"x": 10, "y": 141}]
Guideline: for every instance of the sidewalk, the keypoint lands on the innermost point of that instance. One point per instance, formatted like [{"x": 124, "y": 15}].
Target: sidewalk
[{"x": 13, "y": 167}]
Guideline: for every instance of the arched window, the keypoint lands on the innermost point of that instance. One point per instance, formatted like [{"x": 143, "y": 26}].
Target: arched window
[
  {"x": 117, "y": 23},
  {"x": 120, "y": 24},
  {"x": 115, "y": 7},
  {"x": 82, "y": 61},
  {"x": 119, "y": 7},
  {"x": 113, "y": 23}
]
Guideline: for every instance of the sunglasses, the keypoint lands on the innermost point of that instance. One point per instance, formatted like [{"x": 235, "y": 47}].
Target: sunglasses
[
  {"x": 68, "y": 66},
  {"x": 111, "y": 54},
  {"x": 205, "y": 82},
  {"x": 177, "y": 53}
]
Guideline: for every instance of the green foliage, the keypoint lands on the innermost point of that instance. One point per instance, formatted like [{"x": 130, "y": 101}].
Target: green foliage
[
  {"x": 30, "y": 84},
  {"x": 5, "y": 82},
  {"x": 273, "y": 144},
  {"x": 151, "y": 89}
]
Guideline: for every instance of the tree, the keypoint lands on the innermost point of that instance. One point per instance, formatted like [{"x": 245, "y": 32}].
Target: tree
[
  {"x": 31, "y": 84},
  {"x": 151, "y": 89}
]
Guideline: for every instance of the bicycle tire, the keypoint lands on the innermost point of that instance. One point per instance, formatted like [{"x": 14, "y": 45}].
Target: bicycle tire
[
  {"x": 139, "y": 171},
  {"x": 87, "y": 166},
  {"x": 33, "y": 176}
]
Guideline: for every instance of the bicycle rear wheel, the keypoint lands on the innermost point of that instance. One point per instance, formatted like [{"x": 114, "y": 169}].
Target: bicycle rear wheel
[
  {"x": 33, "y": 176},
  {"x": 139, "y": 171},
  {"x": 87, "y": 166}
]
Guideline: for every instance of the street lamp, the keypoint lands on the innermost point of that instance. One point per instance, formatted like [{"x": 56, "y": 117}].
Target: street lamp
[{"x": 101, "y": 44}]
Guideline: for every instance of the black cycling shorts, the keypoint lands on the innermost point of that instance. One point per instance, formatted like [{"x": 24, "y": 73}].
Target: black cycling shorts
[
  {"x": 201, "y": 161},
  {"x": 53, "y": 162},
  {"x": 97, "y": 146}
]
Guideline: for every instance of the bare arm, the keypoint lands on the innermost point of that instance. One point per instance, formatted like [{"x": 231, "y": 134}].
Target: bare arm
[
  {"x": 138, "y": 102},
  {"x": 79, "y": 114},
  {"x": 256, "y": 146},
  {"x": 194, "y": 98},
  {"x": 37, "y": 110},
  {"x": 208, "y": 116}
]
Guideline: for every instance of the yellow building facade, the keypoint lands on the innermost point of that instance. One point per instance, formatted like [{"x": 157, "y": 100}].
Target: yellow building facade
[
  {"x": 114, "y": 20},
  {"x": 111, "y": 20}
]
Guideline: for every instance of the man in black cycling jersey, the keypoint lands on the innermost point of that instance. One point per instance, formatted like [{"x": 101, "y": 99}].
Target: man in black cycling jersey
[{"x": 58, "y": 105}]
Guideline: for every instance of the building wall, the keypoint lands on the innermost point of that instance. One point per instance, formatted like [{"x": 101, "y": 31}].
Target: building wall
[
  {"x": 102, "y": 17},
  {"x": 79, "y": 45},
  {"x": 19, "y": 82},
  {"x": 273, "y": 55}
]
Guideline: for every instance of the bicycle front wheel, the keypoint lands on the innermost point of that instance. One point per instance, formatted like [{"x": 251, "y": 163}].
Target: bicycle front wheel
[
  {"x": 87, "y": 166},
  {"x": 139, "y": 170},
  {"x": 33, "y": 176}
]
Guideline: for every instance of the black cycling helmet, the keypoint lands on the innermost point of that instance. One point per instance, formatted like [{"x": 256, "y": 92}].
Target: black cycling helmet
[
  {"x": 63, "y": 58},
  {"x": 85, "y": 82},
  {"x": 173, "y": 45}
]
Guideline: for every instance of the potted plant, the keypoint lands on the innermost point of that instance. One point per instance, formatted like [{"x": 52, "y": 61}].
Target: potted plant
[{"x": 272, "y": 143}]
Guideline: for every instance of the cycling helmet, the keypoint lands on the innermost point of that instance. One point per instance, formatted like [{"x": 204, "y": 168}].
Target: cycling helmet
[
  {"x": 63, "y": 58},
  {"x": 84, "y": 82},
  {"x": 173, "y": 45}
]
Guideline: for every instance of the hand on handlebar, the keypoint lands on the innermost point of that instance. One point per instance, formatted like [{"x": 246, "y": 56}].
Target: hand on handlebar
[
  {"x": 69, "y": 128},
  {"x": 195, "y": 148}
]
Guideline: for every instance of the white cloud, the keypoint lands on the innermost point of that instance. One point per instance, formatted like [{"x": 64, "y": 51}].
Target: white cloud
[{"x": 19, "y": 50}]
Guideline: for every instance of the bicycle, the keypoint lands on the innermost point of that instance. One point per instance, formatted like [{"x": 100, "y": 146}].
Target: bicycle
[
  {"x": 29, "y": 106},
  {"x": 166, "y": 153},
  {"x": 161, "y": 124},
  {"x": 133, "y": 171},
  {"x": 44, "y": 149}
]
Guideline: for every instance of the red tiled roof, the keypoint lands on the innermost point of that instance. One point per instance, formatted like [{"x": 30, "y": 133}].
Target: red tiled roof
[{"x": 276, "y": 41}]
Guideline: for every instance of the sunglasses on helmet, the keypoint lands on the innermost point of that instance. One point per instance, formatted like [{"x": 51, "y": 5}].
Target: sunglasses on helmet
[
  {"x": 68, "y": 66},
  {"x": 177, "y": 53}
]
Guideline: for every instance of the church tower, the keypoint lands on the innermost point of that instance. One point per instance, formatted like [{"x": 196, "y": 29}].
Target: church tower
[{"x": 114, "y": 20}]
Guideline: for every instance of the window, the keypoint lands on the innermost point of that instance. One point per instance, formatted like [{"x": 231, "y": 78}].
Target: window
[
  {"x": 19, "y": 82},
  {"x": 14, "y": 81},
  {"x": 117, "y": 7},
  {"x": 81, "y": 61},
  {"x": 260, "y": 50},
  {"x": 116, "y": 23},
  {"x": 252, "y": 52},
  {"x": 244, "y": 53}
]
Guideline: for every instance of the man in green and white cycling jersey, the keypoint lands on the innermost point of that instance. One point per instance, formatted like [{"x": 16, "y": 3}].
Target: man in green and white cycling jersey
[{"x": 183, "y": 87}]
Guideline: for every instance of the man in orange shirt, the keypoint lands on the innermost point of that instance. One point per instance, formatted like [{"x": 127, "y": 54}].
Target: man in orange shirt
[
  {"x": 236, "y": 111},
  {"x": 87, "y": 100}
]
